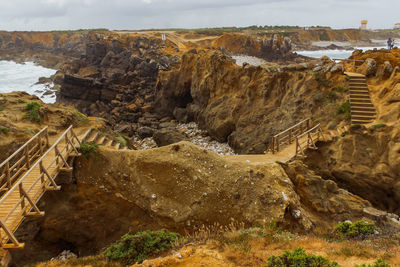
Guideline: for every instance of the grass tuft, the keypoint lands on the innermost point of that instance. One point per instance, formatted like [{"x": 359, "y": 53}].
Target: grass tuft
[
  {"x": 87, "y": 149},
  {"x": 32, "y": 112},
  {"x": 4, "y": 130},
  {"x": 299, "y": 258},
  {"x": 136, "y": 248}
]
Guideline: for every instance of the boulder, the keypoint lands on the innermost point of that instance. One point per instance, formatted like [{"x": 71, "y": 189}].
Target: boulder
[
  {"x": 145, "y": 131},
  {"x": 368, "y": 68},
  {"x": 337, "y": 68},
  {"x": 167, "y": 136}
]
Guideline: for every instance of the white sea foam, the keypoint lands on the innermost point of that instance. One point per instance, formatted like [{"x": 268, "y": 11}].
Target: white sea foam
[
  {"x": 23, "y": 77},
  {"x": 339, "y": 54}
]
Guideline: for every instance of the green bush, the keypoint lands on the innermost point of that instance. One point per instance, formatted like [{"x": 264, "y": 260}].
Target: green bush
[
  {"x": 121, "y": 140},
  {"x": 88, "y": 149},
  {"x": 4, "y": 130},
  {"x": 79, "y": 118},
  {"x": 137, "y": 247},
  {"x": 332, "y": 96},
  {"x": 322, "y": 80},
  {"x": 340, "y": 89},
  {"x": 378, "y": 263},
  {"x": 357, "y": 229},
  {"x": 32, "y": 112},
  {"x": 299, "y": 258},
  {"x": 378, "y": 126},
  {"x": 344, "y": 108}
]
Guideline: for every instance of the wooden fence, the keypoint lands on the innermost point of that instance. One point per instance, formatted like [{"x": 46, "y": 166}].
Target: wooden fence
[
  {"x": 289, "y": 135},
  {"x": 308, "y": 139},
  {"x": 20, "y": 200},
  {"x": 22, "y": 159}
]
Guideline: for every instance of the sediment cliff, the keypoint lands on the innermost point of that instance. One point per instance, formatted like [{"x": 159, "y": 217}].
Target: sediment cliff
[{"x": 245, "y": 105}]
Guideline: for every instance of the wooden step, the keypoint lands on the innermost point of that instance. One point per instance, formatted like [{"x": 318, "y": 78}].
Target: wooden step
[
  {"x": 93, "y": 136},
  {"x": 365, "y": 105},
  {"x": 356, "y": 91},
  {"x": 359, "y": 96},
  {"x": 101, "y": 139},
  {"x": 363, "y": 113},
  {"x": 362, "y": 117},
  {"x": 117, "y": 145},
  {"x": 108, "y": 142},
  {"x": 368, "y": 109},
  {"x": 360, "y": 100}
]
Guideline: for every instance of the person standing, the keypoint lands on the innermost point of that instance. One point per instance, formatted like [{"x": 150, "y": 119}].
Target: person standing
[{"x": 389, "y": 43}]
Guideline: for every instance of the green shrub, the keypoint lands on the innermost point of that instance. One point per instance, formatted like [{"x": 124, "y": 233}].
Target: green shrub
[
  {"x": 32, "y": 112},
  {"x": 322, "y": 80},
  {"x": 356, "y": 127},
  {"x": 378, "y": 263},
  {"x": 332, "y": 96},
  {"x": 4, "y": 130},
  {"x": 137, "y": 247},
  {"x": 88, "y": 149},
  {"x": 344, "y": 108},
  {"x": 79, "y": 118},
  {"x": 340, "y": 89},
  {"x": 121, "y": 140},
  {"x": 357, "y": 229},
  {"x": 378, "y": 126},
  {"x": 318, "y": 97},
  {"x": 299, "y": 258}
]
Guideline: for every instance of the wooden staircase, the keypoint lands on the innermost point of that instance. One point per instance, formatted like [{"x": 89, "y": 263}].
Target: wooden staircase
[
  {"x": 27, "y": 174},
  {"x": 97, "y": 137},
  {"x": 362, "y": 109}
]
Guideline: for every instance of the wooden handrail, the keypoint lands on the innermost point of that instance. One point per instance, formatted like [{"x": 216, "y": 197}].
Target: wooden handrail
[
  {"x": 22, "y": 147},
  {"x": 311, "y": 140},
  {"x": 35, "y": 165},
  {"x": 288, "y": 135},
  {"x": 21, "y": 160},
  {"x": 25, "y": 205}
]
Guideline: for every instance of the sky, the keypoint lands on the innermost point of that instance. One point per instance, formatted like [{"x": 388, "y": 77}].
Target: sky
[{"x": 146, "y": 14}]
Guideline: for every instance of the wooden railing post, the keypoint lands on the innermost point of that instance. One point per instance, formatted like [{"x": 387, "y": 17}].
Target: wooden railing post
[
  {"x": 67, "y": 143},
  {"x": 41, "y": 168},
  {"x": 28, "y": 163},
  {"x": 278, "y": 140},
  {"x": 290, "y": 136},
  {"x": 297, "y": 146},
  {"x": 40, "y": 145},
  {"x": 57, "y": 155},
  {"x": 8, "y": 174},
  {"x": 47, "y": 137},
  {"x": 273, "y": 145},
  {"x": 21, "y": 195}
]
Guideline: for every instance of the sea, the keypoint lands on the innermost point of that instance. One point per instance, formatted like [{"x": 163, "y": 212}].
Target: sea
[
  {"x": 24, "y": 77},
  {"x": 335, "y": 54}
]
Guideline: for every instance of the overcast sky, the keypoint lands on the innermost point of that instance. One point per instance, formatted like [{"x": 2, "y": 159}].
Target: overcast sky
[{"x": 145, "y": 14}]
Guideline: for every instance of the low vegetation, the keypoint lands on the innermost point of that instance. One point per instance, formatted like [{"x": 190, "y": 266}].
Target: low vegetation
[
  {"x": 340, "y": 89},
  {"x": 378, "y": 263},
  {"x": 138, "y": 247},
  {"x": 4, "y": 129},
  {"x": 32, "y": 112},
  {"x": 79, "y": 118},
  {"x": 344, "y": 109},
  {"x": 299, "y": 258},
  {"x": 88, "y": 148},
  {"x": 357, "y": 229},
  {"x": 121, "y": 140},
  {"x": 378, "y": 126}
]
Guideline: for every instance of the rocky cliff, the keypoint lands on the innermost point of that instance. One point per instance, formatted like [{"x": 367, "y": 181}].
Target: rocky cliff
[
  {"x": 246, "y": 105},
  {"x": 271, "y": 49},
  {"x": 181, "y": 187}
]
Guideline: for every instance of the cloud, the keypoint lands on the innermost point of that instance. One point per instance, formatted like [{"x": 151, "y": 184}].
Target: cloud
[{"x": 139, "y": 14}]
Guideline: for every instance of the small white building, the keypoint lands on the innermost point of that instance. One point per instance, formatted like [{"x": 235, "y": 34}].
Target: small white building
[{"x": 397, "y": 26}]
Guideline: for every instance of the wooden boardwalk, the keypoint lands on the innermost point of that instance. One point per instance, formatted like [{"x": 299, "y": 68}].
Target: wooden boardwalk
[
  {"x": 285, "y": 145},
  {"x": 27, "y": 175}
]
